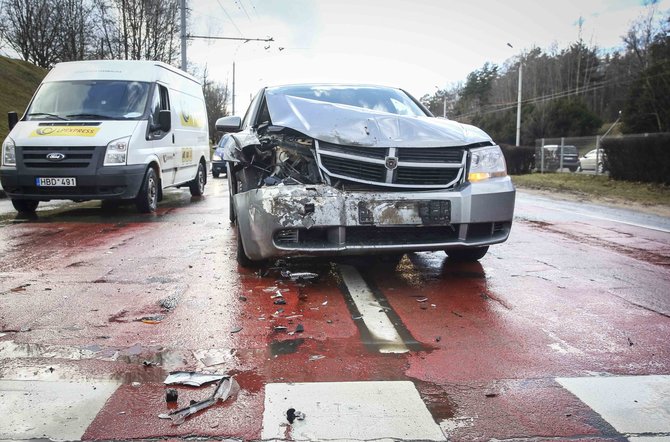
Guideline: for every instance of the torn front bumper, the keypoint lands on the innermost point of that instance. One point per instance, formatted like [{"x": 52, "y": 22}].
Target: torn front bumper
[{"x": 310, "y": 220}]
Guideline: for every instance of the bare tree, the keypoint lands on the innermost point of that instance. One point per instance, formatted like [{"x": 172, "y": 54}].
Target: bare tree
[
  {"x": 76, "y": 30},
  {"x": 32, "y": 30},
  {"x": 138, "y": 29},
  {"x": 217, "y": 96}
]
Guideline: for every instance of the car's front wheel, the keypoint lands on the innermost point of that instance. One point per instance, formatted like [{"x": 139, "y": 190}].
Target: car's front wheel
[{"x": 471, "y": 254}]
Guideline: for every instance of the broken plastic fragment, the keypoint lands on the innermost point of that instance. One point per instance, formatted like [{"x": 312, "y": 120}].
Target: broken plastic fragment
[
  {"x": 155, "y": 319},
  {"x": 280, "y": 301},
  {"x": 316, "y": 357},
  {"x": 292, "y": 414},
  {"x": 299, "y": 328},
  {"x": 171, "y": 395},
  {"x": 192, "y": 378},
  {"x": 422, "y": 299},
  {"x": 236, "y": 329}
]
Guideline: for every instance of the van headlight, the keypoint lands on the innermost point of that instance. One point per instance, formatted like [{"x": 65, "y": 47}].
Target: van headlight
[
  {"x": 216, "y": 157},
  {"x": 8, "y": 152},
  {"x": 117, "y": 152},
  {"x": 485, "y": 163}
]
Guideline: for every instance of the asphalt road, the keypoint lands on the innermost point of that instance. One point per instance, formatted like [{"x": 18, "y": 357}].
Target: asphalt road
[{"x": 561, "y": 332}]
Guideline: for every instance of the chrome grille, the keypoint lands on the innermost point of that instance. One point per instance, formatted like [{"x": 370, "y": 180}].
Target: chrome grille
[{"x": 417, "y": 167}]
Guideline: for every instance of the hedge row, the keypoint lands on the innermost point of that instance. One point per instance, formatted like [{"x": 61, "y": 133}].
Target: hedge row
[
  {"x": 643, "y": 158},
  {"x": 519, "y": 159}
]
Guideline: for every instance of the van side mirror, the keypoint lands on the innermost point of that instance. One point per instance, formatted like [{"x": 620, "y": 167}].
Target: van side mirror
[
  {"x": 12, "y": 119},
  {"x": 229, "y": 124},
  {"x": 165, "y": 120}
]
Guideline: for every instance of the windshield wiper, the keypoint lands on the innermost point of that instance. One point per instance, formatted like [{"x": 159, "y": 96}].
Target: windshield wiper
[
  {"x": 44, "y": 114},
  {"x": 91, "y": 116}
]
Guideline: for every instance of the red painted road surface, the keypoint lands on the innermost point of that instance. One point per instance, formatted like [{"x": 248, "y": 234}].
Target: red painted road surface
[{"x": 87, "y": 294}]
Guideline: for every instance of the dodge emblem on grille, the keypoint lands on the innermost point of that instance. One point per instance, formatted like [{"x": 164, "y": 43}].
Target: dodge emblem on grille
[
  {"x": 391, "y": 163},
  {"x": 55, "y": 156}
]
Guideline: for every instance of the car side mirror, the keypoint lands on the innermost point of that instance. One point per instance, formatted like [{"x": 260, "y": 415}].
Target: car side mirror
[
  {"x": 12, "y": 119},
  {"x": 165, "y": 120},
  {"x": 229, "y": 124}
]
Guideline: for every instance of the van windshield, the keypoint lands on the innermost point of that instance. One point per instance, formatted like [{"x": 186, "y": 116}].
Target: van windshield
[{"x": 89, "y": 100}]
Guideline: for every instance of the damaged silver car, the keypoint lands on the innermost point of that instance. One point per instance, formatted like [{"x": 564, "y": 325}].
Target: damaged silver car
[{"x": 350, "y": 170}]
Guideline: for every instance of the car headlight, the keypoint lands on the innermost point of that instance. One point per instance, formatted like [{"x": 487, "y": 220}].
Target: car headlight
[
  {"x": 8, "y": 152},
  {"x": 117, "y": 152},
  {"x": 216, "y": 157},
  {"x": 485, "y": 163}
]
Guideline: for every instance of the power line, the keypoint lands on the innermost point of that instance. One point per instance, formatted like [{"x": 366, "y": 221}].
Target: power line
[
  {"x": 241, "y": 6},
  {"x": 229, "y": 17}
]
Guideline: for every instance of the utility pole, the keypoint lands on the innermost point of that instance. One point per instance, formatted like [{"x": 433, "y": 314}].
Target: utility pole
[
  {"x": 233, "y": 112},
  {"x": 184, "y": 63},
  {"x": 518, "y": 106}
]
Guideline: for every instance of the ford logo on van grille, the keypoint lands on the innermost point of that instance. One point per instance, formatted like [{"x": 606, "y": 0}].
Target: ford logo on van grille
[{"x": 55, "y": 156}]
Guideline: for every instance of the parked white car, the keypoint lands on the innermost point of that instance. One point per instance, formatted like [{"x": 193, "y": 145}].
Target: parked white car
[{"x": 593, "y": 157}]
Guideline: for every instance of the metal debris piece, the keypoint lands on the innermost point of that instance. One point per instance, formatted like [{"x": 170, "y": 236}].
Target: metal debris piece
[
  {"x": 242, "y": 298},
  {"x": 278, "y": 294},
  {"x": 316, "y": 357},
  {"x": 299, "y": 276},
  {"x": 280, "y": 328},
  {"x": 280, "y": 301},
  {"x": 422, "y": 299},
  {"x": 236, "y": 329},
  {"x": 192, "y": 378},
  {"x": 227, "y": 387}
]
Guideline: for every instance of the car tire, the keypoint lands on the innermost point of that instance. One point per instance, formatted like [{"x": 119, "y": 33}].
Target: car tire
[
  {"x": 25, "y": 206},
  {"x": 231, "y": 193},
  {"x": 147, "y": 198},
  {"x": 467, "y": 255},
  {"x": 197, "y": 185},
  {"x": 215, "y": 173},
  {"x": 574, "y": 169}
]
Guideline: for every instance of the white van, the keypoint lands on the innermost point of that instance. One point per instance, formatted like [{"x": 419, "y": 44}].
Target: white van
[{"x": 107, "y": 130}]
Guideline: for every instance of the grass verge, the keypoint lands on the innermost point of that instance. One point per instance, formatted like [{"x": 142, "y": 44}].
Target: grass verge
[{"x": 596, "y": 188}]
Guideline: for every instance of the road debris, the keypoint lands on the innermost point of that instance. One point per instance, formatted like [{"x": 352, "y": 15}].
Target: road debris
[
  {"x": 299, "y": 276},
  {"x": 299, "y": 328},
  {"x": 155, "y": 319},
  {"x": 280, "y": 328},
  {"x": 192, "y": 378},
  {"x": 171, "y": 395},
  {"x": 236, "y": 329},
  {"x": 422, "y": 299},
  {"x": 280, "y": 301},
  {"x": 292, "y": 415},
  {"x": 316, "y": 357},
  {"x": 227, "y": 387}
]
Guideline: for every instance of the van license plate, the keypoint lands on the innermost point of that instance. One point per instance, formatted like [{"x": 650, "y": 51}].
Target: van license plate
[{"x": 56, "y": 182}]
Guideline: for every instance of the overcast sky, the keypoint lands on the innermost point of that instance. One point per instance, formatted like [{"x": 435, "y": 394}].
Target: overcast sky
[{"x": 416, "y": 45}]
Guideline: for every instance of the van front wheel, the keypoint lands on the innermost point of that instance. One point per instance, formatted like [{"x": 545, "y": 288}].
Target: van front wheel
[
  {"x": 25, "y": 206},
  {"x": 147, "y": 199},
  {"x": 197, "y": 186}
]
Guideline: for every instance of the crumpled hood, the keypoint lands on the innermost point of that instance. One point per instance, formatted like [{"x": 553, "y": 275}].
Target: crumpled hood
[{"x": 355, "y": 126}]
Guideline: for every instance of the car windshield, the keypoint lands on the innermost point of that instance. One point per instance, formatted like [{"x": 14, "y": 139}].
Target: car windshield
[
  {"x": 89, "y": 100},
  {"x": 383, "y": 99}
]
